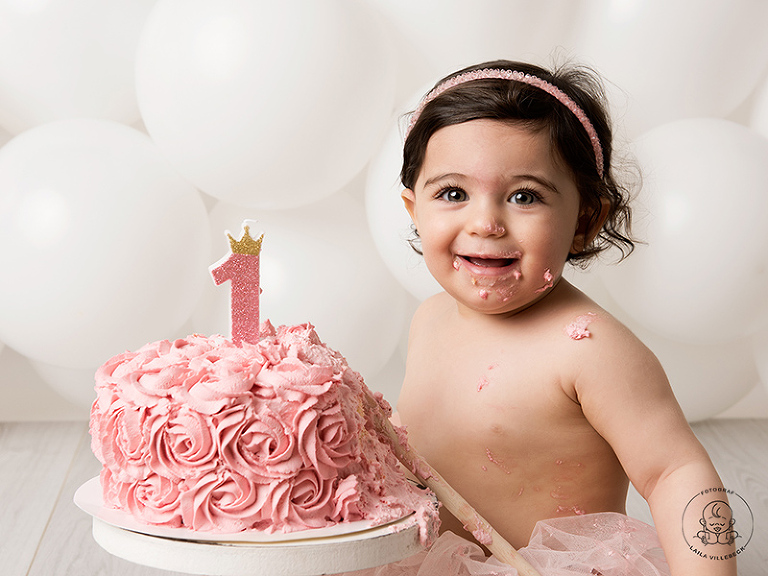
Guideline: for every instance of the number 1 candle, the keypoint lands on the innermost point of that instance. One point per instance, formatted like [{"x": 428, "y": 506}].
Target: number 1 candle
[{"x": 241, "y": 268}]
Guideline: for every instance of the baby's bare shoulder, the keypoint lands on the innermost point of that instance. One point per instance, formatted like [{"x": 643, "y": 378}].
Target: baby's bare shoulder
[
  {"x": 610, "y": 365},
  {"x": 593, "y": 345},
  {"x": 602, "y": 334}
]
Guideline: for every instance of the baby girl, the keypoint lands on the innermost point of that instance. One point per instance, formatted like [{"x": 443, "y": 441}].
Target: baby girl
[{"x": 529, "y": 399}]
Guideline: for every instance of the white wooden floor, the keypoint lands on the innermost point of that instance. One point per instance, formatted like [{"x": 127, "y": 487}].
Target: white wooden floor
[{"x": 42, "y": 533}]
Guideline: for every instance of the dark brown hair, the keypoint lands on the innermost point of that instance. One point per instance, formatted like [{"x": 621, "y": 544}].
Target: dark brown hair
[{"x": 522, "y": 104}]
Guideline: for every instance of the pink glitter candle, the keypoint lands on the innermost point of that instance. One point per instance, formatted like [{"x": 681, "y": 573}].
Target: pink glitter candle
[{"x": 241, "y": 268}]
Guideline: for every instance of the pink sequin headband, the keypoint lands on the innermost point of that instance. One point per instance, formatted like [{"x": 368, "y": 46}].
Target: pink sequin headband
[{"x": 495, "y": 73}]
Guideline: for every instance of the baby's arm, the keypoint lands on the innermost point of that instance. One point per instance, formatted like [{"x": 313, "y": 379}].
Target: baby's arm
[{"x": 626, "y": 396}]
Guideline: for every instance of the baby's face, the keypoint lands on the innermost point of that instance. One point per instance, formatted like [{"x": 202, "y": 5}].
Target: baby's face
[
  {"x": 496, "y": 214},
  {"x": 717, "y": 524}
]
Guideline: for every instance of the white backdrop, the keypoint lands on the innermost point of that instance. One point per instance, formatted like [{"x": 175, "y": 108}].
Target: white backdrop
[{"x": 133, "y": 133}]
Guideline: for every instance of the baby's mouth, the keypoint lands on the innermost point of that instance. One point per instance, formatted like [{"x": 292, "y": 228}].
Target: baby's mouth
[
  {"x": 489, "y": 262},
  {"x": 497, "y": 265}
]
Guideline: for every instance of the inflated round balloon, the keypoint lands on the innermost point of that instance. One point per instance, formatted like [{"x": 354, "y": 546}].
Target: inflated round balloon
[
  {"x": 671, "y": 59},
  {"x": 759, "y": 113},
  {"x": 707, "y": 379},
  {"x": 265, "y": 104},
  {"x": 103, "y": 246},
  {"x": 318, "y": 265},
  {"x": 74, "y": 384},
  {"x": 702, "y": 277},
  {"x": 390, "y": 223},
  {"x": 5, "y": 136},
  {"x": 435, "y": 37},
  {"x": 66, "y": 59},
  {"x": 760, "y": 353}
]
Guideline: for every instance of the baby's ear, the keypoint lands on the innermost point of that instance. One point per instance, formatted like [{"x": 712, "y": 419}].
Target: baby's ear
[
  {"x": 409, "y": 199},
  {"x": 588, "y": 226}
]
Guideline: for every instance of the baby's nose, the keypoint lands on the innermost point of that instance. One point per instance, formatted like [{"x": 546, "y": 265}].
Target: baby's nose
[{"x": 485, "y": 222}]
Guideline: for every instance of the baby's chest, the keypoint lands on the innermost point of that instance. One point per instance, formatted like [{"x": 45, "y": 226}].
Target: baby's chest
[
  {"x": 500, "y": 425},
  {"x": 506, "y": 397}
]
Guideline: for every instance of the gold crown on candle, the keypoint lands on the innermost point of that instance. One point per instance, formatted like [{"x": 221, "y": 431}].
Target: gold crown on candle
[{"x": 246, "y": 244}]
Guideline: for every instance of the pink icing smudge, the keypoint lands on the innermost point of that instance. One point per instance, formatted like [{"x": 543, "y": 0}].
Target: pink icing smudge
[
  {"x": 548, "y": 279},
  {"x": 578, "y": 328},
  {"x": 483, "y": 535},
  {"x": 559, "y": 494},
  {"x": 402, "y": 436},
  {"x": 481, "y": 532},
  {"x": 498, "y": 463},
  {"x": 422, "y": 469},
  {"x": 495, "y": 229},
  {"x": 484, "y": 381},
  {"x": 575, "y": 509}
]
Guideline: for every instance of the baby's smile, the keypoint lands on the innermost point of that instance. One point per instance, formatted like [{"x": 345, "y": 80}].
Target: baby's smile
[{"x": 488, "y": 264}]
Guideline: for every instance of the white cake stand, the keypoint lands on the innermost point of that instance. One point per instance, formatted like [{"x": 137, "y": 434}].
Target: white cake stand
[{"x": 327, "y": 551}]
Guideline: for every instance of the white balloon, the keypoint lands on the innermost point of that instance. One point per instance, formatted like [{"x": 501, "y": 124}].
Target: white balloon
[
  {"x": 265, "y": 104},
  {"x": 390, "y": 223},
  {"x": 437, "y": 37},
  {"x": 590, "y": 282},
  {"x": 674, "y": 59},
  {"x": 760, "y": 353},
  {"x": 707, "y": 379},
  {"x": 73, "y": 384},
  {"x": 68, "y": 59},
  {"x": 318, "y": 265},
  {"x": 758, "y": 118},
  {"x": 5, "y": 136},
  {"x": 703, "y": 275},
  {"x": 103, "y": 246}
]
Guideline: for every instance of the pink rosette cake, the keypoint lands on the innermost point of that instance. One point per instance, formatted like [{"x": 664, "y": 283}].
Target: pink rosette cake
[{"x": 209, "y": 435}]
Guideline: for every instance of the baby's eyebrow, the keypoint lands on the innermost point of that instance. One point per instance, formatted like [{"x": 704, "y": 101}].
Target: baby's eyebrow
[
  {"x": 439, "y": 177},
  {"x": 541, "y": 181}
]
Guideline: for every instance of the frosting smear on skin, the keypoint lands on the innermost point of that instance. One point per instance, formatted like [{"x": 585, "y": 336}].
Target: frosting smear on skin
[
  {"x": 211, "y": 436},
  {"x": 578, "y": 328}
]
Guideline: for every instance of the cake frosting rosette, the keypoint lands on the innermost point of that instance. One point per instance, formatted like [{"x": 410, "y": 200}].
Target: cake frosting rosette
[{"x": 210, "y": 435}]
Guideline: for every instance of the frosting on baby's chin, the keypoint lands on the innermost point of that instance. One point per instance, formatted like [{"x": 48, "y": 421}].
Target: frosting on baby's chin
[{"x": 548, "y": 281}]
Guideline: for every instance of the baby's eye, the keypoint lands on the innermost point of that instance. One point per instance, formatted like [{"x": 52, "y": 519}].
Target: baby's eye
[
  {"x": 524, "y": 197},
  {"x": 452, "y": 195}
]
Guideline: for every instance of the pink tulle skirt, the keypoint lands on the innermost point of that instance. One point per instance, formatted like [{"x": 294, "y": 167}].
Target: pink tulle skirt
[{"x": 606, "y": 544}]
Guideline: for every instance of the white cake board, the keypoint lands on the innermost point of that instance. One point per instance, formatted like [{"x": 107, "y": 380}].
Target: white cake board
[{"x": 308, "y": 556}]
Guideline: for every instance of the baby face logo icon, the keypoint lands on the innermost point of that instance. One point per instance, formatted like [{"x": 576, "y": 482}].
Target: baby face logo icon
[{"x": 717, "y": 524}]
